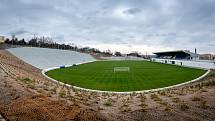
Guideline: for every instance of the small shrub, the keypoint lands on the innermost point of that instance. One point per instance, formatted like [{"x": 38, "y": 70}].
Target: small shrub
[
  {"x": 62, "y": 94},
  {"x": 169, "y": 95},
  {"x": 143, "y": 110},
  {"x": 46, "y": 88},
  {"x": 46, "y": 83},
  {"x": 155, "y": 97},
  {"x": 176, "y": 100},
  {"x": 127, "y": 109},
  {"x": 196, "y": 98},
  {"x": 133, "y": 94},
  {"x": 162, "y": 93},
  {"x": 204, "y": 104},
  {"x": 108, "y": 102},
  {"x": 210, "y": 83},
  {"x": 125, "y": 105},
  {"x": 31, "y": 86},
  {"x": 54, "y": 90},
  {"x": 41, "y": 91},
  {"x": 184, "y": 107},
  {"x": 99, "y": 108},
  {"x": 204, "y": 90},
  {"x": 142, "y": 105},
  {"x": 164, "y": 103},
  {"x": 49, "y": 94},
  {"x": 181, "y": 92},
  {"x": 143, "y": 96},
  {"x": 167, "y": 109},
  {"x": 27, "y": 80}
]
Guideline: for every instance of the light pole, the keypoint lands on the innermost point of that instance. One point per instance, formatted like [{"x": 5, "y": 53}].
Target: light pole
[{"x": 214, "y": 65}]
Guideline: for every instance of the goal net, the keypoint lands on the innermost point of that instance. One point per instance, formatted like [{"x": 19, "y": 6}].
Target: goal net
[{"x": 121, "y": 69}]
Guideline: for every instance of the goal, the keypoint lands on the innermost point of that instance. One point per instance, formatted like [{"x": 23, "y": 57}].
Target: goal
[{"x": 121, "y": 69}]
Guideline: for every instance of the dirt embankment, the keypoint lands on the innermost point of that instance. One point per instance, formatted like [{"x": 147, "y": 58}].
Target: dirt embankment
[
  {"x": 26, "y": 95},
  {"x": 37, "y": 108},
  {"x": 97, "y": 57},
  {"x": 20, "y": 102}
]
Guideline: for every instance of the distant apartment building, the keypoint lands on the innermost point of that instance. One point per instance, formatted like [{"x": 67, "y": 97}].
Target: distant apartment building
[
  {"x": 2, "y": 39},
  {"x": 206, "y": 57}
]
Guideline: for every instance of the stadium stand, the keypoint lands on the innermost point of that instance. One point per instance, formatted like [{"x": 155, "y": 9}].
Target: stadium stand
[{"x": 178, "y": 55}]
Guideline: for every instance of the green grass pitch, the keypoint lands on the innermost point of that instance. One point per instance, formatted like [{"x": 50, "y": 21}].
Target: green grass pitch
[{"x": 143, "y": 75}]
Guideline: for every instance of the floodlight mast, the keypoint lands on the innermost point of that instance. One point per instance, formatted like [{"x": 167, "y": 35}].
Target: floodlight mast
[{"x": 214, "y": 64}]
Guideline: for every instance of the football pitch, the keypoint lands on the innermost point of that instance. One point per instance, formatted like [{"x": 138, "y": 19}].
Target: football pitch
[{"x": 135, "y": 76}]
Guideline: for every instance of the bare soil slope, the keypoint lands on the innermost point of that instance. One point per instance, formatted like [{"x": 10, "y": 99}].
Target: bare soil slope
[{"x": 18, "y": 102}]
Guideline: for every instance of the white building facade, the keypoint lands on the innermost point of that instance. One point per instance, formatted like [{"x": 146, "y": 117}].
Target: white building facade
[{"x": 2, "y": 39}]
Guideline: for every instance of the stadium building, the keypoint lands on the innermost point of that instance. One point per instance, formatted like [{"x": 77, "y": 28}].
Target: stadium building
[
  {"x": 2, "y": 39},
  {"x": 206, "y": 57},
  {"x": 177, "y": 55}
]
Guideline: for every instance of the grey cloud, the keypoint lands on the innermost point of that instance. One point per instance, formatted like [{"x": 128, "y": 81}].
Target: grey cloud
[
  {"x": 150, "y": 23},
  {"x": 18, "y": 32},
  {"x": 161, "y": 34},
  {"x": 132, "y": 11}
]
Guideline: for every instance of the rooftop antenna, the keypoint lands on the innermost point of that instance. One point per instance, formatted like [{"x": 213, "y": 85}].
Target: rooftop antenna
[
  {"x": 146, "y": 55},
  {"x": 13, "y": 38}
]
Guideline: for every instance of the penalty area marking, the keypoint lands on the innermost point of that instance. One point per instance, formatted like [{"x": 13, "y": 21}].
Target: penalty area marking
[{"x": 120, "y": 69}]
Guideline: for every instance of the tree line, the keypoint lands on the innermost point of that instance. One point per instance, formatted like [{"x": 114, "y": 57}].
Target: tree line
[{"x": 47, "y": 42}]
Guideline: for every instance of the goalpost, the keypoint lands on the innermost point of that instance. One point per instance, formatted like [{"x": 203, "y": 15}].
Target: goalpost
[{"x": 120, "y": 69}]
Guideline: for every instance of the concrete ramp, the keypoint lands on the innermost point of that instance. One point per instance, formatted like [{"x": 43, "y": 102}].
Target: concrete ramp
[{"x": 44, "y": 58}]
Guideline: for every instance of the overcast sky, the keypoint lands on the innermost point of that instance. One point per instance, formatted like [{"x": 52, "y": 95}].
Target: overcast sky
[{"x": 118, "y": 25}]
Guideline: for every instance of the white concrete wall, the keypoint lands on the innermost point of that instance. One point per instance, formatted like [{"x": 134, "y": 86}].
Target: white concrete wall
[
  {"x": 44, "y": 58},
  {"x": 189, "y": 63},
  {"x": 123, "y": 58}
]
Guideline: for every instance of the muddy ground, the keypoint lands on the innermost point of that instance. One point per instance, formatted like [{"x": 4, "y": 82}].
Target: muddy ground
[{"x": 26, "y": 95}]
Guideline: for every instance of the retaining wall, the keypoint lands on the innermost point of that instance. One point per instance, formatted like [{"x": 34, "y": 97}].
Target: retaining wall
[{"x": 188, "y": 63}]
